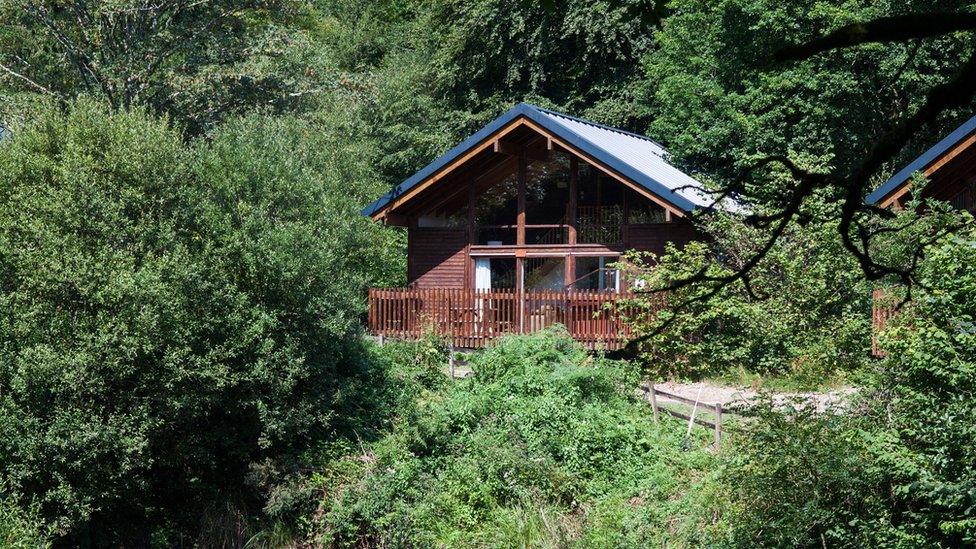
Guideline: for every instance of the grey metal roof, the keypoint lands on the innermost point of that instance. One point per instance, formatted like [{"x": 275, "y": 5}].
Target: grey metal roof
[
  {"x": 641, "y": 153},
  {"x": 638, "y": 158}
]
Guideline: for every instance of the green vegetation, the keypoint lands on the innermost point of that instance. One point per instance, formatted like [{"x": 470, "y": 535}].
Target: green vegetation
[
  {"x": 720, "y": 107},
  {"x": 183, "y": 265},
  {"x": 802, "y": 316},
  {"x": 172, "y": 317},
  {"x": 895, "y": 469},
  {"x": 544, "y": 446},
  {"x": 22, "y": 529}
]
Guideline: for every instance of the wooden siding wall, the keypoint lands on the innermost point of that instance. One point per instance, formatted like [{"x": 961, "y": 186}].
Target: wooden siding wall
[
  {"x": 436, "y": 258},
  {"x": 653, "y": 238}
]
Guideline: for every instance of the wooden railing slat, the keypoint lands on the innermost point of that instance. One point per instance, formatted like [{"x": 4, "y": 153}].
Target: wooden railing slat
[{"x": 474, "y": 318}]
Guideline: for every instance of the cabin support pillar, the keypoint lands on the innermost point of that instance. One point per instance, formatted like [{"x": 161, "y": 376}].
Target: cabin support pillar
[
  {"x": 520, "y": 240},
  {"x": 571, "y": 214},
  {"x": 469, "y": 268},
  {"x": 520, "y": 220}
]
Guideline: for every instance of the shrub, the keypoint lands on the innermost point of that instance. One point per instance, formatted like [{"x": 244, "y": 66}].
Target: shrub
[
  {"x": 173, "y": 316},
  {"x": 895, "y": 469},
  {"x": 545, "y": 445},
  {"x": 20, "y": 528},
  {"x": 804, "y": 315},
  {"x": 927, "y": 384}
]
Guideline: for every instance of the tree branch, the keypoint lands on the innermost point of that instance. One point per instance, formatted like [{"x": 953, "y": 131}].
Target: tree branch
[
  {"x": 897, "y": 28},
  {"x": 29, "y": 81}
]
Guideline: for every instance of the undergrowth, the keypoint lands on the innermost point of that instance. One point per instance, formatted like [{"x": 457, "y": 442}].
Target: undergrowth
[{"x": 545, "y": 446}]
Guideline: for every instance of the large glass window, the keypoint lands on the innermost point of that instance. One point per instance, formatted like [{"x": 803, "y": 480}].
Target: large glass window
[
  {"x": 545, "y": 273},
  {"x": 498, "y": 205},
  {"x": 600, "y": 207},
  {"x": 594, "y": 273},
  {"x": 641, "y": 211},
  {"x": 496, "y": 212},
  {"x": 547, "y": 190},
  {"x": 502, "y": 272}
]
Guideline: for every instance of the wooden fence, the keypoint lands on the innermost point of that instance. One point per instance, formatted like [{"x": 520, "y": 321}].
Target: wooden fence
[
  {"x": 473, "y": 318},
  {"x": 882, "y": 309},
  {"x": 652, "y": 393}
]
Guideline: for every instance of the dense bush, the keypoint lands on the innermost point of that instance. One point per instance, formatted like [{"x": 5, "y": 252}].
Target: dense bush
[
  {"x": 20, "y": 528},
  {"x": 804, "y": 314},
  {"x": 799, "y": 478},
  {"x": 544, "y": 446},
  {"x": 927, "y": 385},
  {"x": 172, "y": 316},
  {"x": 896, "y": 469}
]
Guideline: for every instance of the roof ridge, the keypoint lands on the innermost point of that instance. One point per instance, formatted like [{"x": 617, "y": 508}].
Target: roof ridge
[{"x": 595, "y": 124}]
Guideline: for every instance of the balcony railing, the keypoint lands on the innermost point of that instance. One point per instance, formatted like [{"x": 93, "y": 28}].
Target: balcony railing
[{"x": 473, "y": 318}]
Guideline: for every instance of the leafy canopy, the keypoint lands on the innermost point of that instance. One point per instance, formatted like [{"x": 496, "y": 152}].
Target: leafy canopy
[{"x": 172, "y": 315}]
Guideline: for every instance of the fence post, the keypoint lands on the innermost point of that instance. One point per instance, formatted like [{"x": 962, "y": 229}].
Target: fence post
[
  {"x": 718, "y": 424},
  {"x": 382, "y": 337},
  {"x": 450, "y": 358},
  {"x": 654, "y": 401}
]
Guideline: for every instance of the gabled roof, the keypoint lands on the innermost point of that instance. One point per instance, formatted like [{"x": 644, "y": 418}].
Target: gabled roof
[
  {"x": 637, "y": 158},
  {"x": 923, "y": 161}
]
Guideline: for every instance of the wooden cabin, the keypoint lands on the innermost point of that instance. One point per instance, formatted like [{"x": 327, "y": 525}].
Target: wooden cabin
[
  {"x": 949, "y": 166},
  {"x": 520, "y": 225}
]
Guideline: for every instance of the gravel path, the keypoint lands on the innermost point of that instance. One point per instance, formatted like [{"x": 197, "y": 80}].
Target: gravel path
[{"x": 730, "y": 397}]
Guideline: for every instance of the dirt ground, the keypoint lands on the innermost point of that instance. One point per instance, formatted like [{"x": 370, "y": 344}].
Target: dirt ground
[{"x": 730, "y": 397}]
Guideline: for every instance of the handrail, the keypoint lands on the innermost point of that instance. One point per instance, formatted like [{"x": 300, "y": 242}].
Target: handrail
[
  {"x": 591, "y": 273},
  {"x": 473, "y": 318}
]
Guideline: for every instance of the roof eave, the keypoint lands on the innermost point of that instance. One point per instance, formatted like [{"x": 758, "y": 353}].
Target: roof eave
[
  {"x": 535, "y": 114},
  {"x": 923, "y": 161}
]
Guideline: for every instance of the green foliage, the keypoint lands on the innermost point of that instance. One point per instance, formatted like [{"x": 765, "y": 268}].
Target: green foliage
[
  {"x": 430, "y": 73},
  {"x": 544, "y": 446},
  {"x": 714, "y": 96},
  {"x": 21, "y": 529},
  {"x": 895, "y": 468},
  {"x": 198, "y": 62},
  {"x": 172, "y": 315},
  {"x": 578, "y": 54},
  {"x": 799, "y": 478},
  {"x": 929, "y": 376},
  {"x": 806, "y": 316}
]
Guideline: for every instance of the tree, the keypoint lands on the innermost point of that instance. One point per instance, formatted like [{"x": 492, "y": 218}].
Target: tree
[
  {"x": 894, "y": 467},
  {"x": 739, "y": 94},
  {"x": 199, "y": 62},
  {"x": 173, "y": 316},
  {"x": 804, "y": 314}
]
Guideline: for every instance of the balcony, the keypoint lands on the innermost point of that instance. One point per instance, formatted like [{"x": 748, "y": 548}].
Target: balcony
[{"x": 474, "y": 318}]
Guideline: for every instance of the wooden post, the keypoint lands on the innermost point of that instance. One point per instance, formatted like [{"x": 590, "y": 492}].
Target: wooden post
[
  {"x": 520, "y": 292},
  {"x": 472, "y": 237},
  {"x": 571, "y": 213},
  {"x": 469, "y": 266},
  {"x": 718, "y": 424},
  {"x": 450, "y": 358},
  {"x": 654, "y": 402},
  {"x": 382, "y": 338},
  {"x": 520, "y": 219},
  {"x": 573, "y": 199},
  {"x": 520, "y": 241}
]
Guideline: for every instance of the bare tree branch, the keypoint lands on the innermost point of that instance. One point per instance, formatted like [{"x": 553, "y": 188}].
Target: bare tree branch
[
  {"x": 886, "y": 29},
  {"x": 32, "y": 83},
  {"x": 856, "y": 238}
]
